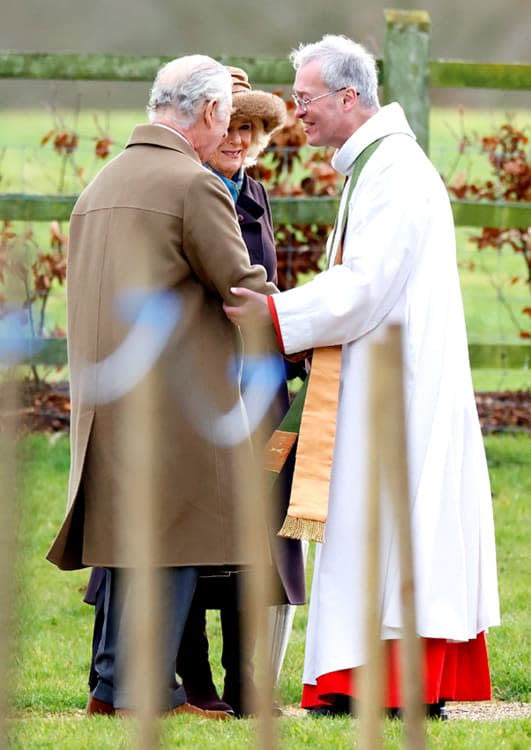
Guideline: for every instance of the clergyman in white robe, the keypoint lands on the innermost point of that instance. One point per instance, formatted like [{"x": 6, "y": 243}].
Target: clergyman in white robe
[{"x": 399, "y": 265}]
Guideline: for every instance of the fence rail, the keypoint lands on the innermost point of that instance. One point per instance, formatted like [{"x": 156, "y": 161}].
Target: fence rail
[
  {"x": 476, "y": 75},
  {"x": 61, "y": 66},
  {"x": 67, "y": 66},
  {"x": 286, "y": 210}
]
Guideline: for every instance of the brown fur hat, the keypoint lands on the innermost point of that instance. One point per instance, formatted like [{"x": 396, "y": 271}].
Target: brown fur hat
[
  {"x": 249, "y": 102},
  {"x": 266, "y": 111}
]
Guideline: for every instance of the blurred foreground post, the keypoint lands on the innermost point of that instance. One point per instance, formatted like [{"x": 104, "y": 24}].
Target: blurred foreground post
[
  {"x": 143, "y": 603},
  {"x": 255, "y": 523},
  {"x": 9, "y": 397},
  {"x": 141, "y": 581},
  {"x": 388, "y": 457},
  {"x": 372, "y": 678},
  {"x": 396, "y": 467}
]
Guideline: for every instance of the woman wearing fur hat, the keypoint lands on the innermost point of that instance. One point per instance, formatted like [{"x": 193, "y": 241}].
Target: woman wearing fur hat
[{"x": 256, "y": 116}]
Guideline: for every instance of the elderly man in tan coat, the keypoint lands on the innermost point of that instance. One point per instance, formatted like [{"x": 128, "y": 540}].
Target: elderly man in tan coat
[{"x": 155, "y": 248}]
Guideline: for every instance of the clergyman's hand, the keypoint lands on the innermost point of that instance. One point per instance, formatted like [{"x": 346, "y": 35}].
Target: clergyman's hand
[{"x": 252, "y": 311}]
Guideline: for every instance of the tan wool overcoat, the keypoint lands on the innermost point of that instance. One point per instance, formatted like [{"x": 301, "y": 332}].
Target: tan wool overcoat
[{"x": 155, "y": 247}]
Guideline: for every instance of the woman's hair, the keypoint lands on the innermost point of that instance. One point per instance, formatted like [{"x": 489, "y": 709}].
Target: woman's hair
[
  {"x": 259, "y": 141},
  {"x": 343, "y": 63},
  {"x": 182, "y": 87}
]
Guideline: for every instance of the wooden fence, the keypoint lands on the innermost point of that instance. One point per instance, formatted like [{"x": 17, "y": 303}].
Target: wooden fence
[{"x": 406, "y": 74}]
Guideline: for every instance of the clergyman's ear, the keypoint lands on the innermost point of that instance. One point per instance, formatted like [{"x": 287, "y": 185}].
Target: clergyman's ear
[{"x": 350, "y": 96}]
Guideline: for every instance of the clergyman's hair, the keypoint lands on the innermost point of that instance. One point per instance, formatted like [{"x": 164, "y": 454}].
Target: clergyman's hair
[
  {"x": 182, "y": 86},
  {"x": 343, "y": 63}
]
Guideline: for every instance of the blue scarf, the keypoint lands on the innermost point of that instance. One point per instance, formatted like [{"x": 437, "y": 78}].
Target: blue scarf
[{"x": 233, "y": 185}]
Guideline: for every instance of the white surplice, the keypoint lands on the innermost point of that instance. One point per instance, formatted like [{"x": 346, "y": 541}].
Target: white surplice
[{"x": 399, "y": 265}]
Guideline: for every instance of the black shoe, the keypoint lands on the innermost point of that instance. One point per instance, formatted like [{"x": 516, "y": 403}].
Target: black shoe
[
  {"x": 433, "y": 711},
  {"x": 244, "y": 699},
  {"x": 320, "y": 711},
  {"x": 341, "y": 705},
  {"x": 393, "y": 713},
  {"x": 246, "y": 712},
  {"x": 437, "y": 711}
]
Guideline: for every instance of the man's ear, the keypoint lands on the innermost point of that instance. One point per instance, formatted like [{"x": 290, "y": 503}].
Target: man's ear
[
  {"x": 350, "y": 96},
  {"x": 209, "y": 112}
]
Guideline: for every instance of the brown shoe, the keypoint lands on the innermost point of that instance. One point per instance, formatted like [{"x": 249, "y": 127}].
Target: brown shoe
[
  {"x": 201, "y": 713},
  {"x": 208, "y": 700},
  {"x": 95, "y": 706}
]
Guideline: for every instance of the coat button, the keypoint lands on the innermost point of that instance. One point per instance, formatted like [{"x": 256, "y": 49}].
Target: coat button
[{"x": 240, "y": 217}]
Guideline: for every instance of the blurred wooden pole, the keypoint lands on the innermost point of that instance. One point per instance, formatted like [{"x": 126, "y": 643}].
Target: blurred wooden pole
[
  {"x": 388, "y": 457},
  {"x": 9, "y": 398},
  {"x": 371, "y": 689},
  {"x": 142, "y": 613},
  {"x": 396, "y": 467},
  {"x": 258, "y": 588}
]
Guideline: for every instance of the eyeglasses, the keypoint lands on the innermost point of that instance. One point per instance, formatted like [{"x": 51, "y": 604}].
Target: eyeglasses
[{"x": 304, "y": 103}]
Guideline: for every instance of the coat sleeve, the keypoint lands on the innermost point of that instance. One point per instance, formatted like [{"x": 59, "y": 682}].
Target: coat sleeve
[
  {"x": 387, "y": 214},
  {"x": 213, "y": 243}
]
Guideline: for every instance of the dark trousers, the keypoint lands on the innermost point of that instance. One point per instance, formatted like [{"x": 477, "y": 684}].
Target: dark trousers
[
  {"x": 222, "y": 591},
  {"x": 111, "y": 653}
]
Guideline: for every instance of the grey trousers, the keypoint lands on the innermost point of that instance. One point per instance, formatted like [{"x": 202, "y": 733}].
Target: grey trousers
[{"x": 177, "y": 590}]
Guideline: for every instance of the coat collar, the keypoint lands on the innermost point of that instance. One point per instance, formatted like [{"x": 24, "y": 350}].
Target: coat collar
[
  {"x": 248, "y": 207},
  {"x": 389, "y": 120},
  {"x": 153, "y": 135}
]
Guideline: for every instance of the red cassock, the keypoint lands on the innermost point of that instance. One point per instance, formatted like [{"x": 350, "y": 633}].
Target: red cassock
[{"x": 452, "y": 672}]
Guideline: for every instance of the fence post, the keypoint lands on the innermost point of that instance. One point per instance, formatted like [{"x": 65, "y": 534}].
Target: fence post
[
  {"x": 9, "y": 480},
  {"x": 406, "y": 67}
]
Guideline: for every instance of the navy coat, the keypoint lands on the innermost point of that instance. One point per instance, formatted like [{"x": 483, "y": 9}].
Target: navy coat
[{"x": 254, "y": 216}]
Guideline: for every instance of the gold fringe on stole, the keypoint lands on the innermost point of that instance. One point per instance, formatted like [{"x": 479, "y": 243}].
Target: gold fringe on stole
[
  {"x": 308, "y": 507},
  {"x": 302, "y": 528}
]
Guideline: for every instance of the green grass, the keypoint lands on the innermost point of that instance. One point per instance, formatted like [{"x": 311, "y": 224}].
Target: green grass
[
  {"x": 53, "y": 631},
  {"x": 492, "y": 299},
  {"x": 509, "y": 461},
  {"x": 28, "y": 166},
  {"x": 489, "y": 379},
  {"x": 448, "y": 126},
  {"x": 336, "y": 734}
]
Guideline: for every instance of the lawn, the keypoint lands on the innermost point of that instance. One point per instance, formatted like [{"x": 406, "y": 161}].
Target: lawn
[{"x": 53, "y": 629}]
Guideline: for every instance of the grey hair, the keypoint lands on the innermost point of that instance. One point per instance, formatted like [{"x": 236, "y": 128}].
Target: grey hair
[
  {"x": 344, "y": 63},
  {"x": 182, "y": 86}
]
